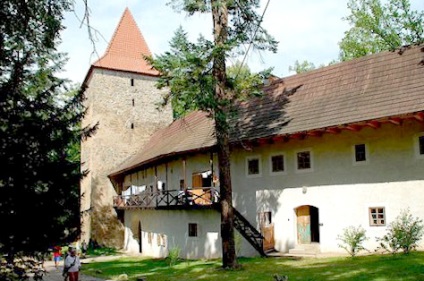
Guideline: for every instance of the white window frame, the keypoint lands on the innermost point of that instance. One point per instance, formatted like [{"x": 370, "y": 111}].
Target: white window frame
[
  {"x": 254, "y": 157},
  {"x": 311, "y": 155},
  {"x": 284, "y": 172},
  {"x": 371, "y": 223},
  {"x": 417, "y": 145},
  {"x": 367, "y": 155}
]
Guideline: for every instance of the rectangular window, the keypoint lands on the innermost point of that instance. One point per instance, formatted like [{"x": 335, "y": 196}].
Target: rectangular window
[
  {"x": 377, "y": 216},
  {"x": 253, "y": 166},
  {"x": 132, "y": 82},
  {"x": 303, "y": 160},
  {"x": 421, "y": 145},
  {"x": 277, "y": 163},
  {"x": 192, "y": 229},
  {"x": 265, "y": 219},
  {"x": 360, "y": 153}
]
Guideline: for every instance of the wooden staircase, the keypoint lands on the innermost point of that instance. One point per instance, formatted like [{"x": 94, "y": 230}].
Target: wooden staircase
[{"x": 250, "y": 233}]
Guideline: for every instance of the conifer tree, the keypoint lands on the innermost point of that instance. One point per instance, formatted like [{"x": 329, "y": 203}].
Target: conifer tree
[
  {"x": 39, "y": 131},
  {"x": 197, "y": 77}
]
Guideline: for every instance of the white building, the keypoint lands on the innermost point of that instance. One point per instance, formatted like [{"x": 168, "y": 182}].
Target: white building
[{"x": 320, "y": 151}]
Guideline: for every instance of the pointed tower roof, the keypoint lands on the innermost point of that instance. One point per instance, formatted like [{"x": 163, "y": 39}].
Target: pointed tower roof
[{"x": 126, "y": 49}]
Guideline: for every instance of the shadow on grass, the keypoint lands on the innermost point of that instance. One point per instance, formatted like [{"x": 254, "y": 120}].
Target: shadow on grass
[{"x": 375, "y": 267}]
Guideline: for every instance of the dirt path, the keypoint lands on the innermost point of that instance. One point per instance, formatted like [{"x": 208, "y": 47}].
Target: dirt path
[{"x": 55, "y": 274}]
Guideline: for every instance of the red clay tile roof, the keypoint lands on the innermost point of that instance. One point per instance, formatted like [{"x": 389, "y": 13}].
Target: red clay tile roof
[
  {"x": 126, "y": 49},
  {"x": 389, "y": 84},
  {"x": 372, "y": 87}
]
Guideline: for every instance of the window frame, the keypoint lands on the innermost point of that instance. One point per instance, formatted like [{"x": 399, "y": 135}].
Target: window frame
[
  {"x": 417, "y": 138},
  {"x": 284, "y": 171},
  {"x": 189, "y": 230},
  {"x": 383, "y": 213},
  {"x": 259, "y": 159},
  {"x": 366, "y": 161},
  {"x": 311, "y": 161}
]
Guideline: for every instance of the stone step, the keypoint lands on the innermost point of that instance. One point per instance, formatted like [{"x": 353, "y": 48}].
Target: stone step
[{"x": 306, "y": 249}]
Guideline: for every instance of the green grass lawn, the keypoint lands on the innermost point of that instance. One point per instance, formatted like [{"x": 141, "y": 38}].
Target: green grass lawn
[{"x": 374, "y": 267}]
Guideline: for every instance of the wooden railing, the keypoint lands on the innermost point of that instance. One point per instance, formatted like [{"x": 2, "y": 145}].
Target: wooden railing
[{"x": 205, "y": 196}]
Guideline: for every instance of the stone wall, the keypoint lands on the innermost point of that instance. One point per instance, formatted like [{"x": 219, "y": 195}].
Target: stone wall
[{"x": 125, "y": 106}]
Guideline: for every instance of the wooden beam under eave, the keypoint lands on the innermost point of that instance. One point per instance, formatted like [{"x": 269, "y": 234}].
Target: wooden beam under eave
[
  {"x": 396, "y": 121},
  {"x": 419, "y": 116},
  {"x": 315, "y": 133},
  {"x": 333, "y": 130},
  {"x": 374, "y": 124},
  {"x": 353, "y": 127},
  {"x": 299, "y": 136}
]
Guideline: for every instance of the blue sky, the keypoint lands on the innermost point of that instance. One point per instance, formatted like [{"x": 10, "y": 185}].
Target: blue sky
[{"x": 306, "y": 30}]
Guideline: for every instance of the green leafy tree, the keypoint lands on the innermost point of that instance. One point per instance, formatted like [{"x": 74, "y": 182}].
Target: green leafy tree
[
  {"x": 377, "y": 27},
  {"x": 39, "y": 131},
  {"x": 196, "y": 74},
  {"x": 301, "y": 67}
]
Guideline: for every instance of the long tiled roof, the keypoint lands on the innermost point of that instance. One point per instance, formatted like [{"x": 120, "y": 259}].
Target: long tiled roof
[
  {"x": 389, "y": 84},
  {"x": 372, "y": 87},
  {"x": 126, "y": 49}
]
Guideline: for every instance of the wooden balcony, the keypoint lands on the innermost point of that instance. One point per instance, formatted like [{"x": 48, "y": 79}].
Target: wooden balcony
[{"x": 204, "y": 197}]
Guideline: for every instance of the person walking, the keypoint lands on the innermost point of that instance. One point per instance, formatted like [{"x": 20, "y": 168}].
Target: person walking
[
  {"x": 57, "y": 253},
  {"x": 72, "y": 265}
]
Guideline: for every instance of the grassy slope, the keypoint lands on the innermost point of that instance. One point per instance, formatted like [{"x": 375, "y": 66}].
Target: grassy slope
[{"x": 374, "y": 267}]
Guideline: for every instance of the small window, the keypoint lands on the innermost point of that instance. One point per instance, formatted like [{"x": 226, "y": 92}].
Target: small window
[
  {"x": 192, "y": 229},
  {"x": 377, "y": 216},
  {"x": 421, "y": 145},
  {"x": 253, "y": 166},
  {"x": 277, "y": 164},
  {"x": 132, "y": 82},
  {"x": 265, "y": 219},
  {"x": 132, "y": 125},
  {"x": 133, "y": 102},
  {"x": 304, "y": 160},
  {"x": 360, "y": 153}
]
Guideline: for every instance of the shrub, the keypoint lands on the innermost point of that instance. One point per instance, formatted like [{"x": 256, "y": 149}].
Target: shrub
[
  {"x": 352, "y": 239},
  {"x": 403, "y": 233},
  {"x": 173, "y": 255}
]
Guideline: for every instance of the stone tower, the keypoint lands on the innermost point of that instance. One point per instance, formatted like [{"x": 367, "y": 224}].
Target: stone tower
[{"x": 123, "y": 100}]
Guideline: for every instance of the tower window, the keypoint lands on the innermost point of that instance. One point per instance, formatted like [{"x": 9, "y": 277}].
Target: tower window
[
  {"x": 132, "y": 81},
  {"x": 132, "y": 125},
  {"x": 133, "y": 102}
]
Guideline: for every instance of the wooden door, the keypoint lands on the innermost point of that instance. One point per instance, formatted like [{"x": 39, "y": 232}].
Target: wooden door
[
  {"x": 267, "y": 230},
  {"x": 196, "y": 181},
  {"x": 268, "y": 234},
  {"x": 303, "y": 225}
]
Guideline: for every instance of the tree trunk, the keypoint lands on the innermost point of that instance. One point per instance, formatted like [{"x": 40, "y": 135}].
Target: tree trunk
[{"x": 220, "y": 20}]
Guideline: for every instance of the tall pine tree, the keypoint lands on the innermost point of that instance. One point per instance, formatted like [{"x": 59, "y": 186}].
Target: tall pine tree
[{"x": 197, "y": 76}]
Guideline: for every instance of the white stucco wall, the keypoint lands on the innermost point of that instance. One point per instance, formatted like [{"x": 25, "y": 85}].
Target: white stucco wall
[
  {"x": 342, "y": 190},
  {"x": 172, "y": 228},
  {"x": 392, "y": 177}
]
